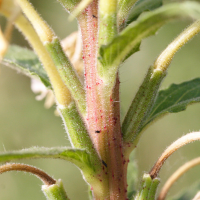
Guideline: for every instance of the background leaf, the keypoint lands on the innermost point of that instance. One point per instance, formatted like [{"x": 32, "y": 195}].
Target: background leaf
[
  {"x": 175, "y": 99},
  {"x": 141, "y": 6},
  {"x": 26, "y": 61}
]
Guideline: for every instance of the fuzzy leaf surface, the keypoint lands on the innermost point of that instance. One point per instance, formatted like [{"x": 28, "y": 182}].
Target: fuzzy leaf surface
[
  {"x": 128, "y": 41},
  {"x": 141, "y": 6},
  {"x": 77, "y": 156},
  {"x": 26, "y": 61},
  {"x": 175, "y": 99}
]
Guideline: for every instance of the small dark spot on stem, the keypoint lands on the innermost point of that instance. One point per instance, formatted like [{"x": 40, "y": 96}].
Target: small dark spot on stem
[
  {"x": 97, "y": 131},
  {"x": 94, "y": 16},
  {"x": 104, "y": 163}
]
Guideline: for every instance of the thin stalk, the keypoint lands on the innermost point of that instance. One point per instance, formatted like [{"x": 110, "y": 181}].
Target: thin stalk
[
  {"x": 52, "y": 44},
  {"x": 176, "y": 175},
  {"x": 47, "y": 180},
  {"x": 165, "y": 58},
  {"x": 52, "y": 189},
  {"x": 186, "y": 139}
]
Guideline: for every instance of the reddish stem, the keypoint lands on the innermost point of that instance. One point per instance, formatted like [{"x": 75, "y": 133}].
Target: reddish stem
[{"x": 103, "y": 113}]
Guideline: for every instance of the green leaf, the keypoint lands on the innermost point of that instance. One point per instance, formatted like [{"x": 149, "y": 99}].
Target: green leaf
[
  {"x": 128, "y": 41},
  {"x": 77, "y": 156},
  {"x": 175, "y": 99},
  {"x": 141, "y": 6},
  {"x": 27, "y": 62}
]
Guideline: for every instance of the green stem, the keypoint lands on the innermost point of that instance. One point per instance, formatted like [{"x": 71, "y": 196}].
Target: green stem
[
  {"x": 146, "y": 95},
  {"x": 78, "y": 134},
  {"x": 107, "y": 21},
  {"x": 165, "y": 58},
  {"x": 45, "y": 178},
  {"x": 148, "y": 188},
  {"x": 141, "y": 107},
  {"x": 107, "y": 31},
  {"x": 62, "y": 63},
  {"x": 124, "y": 9},
  {"x": 68, "y": 75},
  {"x": 61, "y": 92},
  {"x": 55, "y": 191},
  {"x": 176, "y": 175}
]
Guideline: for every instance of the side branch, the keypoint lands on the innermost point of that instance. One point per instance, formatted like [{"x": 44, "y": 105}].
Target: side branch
[
  {"x": 186, "y": 139},
  {"x": 47, "y": 180},
  {"x": 63, "y": 65},
  {"x": 144, "y": 100},
  {"x": 176, "y": 175}
]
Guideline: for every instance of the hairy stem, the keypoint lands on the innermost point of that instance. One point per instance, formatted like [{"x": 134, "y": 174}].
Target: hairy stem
[
  {"x": 61, "y": 92},
  {"x": 47, "y": 180},
  {"x": 52, "y": 44},
  {"x": 146, "y": 95},
  {"x": 190, "y": 137}
]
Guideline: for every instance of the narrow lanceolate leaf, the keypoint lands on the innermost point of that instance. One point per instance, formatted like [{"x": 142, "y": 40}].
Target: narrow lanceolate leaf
[
  {"x": 27, "y": 62},
  {"x": 141, "y": 6},
  {"x": 128, "y": 41},
  {"x": 78, "y": 157},
  {"x": 175, "y": 99}
]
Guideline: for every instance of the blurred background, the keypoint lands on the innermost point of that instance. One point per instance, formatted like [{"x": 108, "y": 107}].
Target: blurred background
[{"x": 24, "y": 122}]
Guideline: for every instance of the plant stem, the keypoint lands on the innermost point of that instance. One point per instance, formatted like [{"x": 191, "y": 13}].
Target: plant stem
[
  {"x": 186, "y": 139},
  {"x": 148, "y": 188},
  {"x": 63, "y": 65},
  {"x": 61, "y": 92},
  {"x": 165, "y": 58},
  {"x": 124, "y": 9},
  {"x": 146, "y": 95},
  {"x": 47, "y": 180},
  {"x": 55, "y": 191},
  {"x": 176, "y": 175}
]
